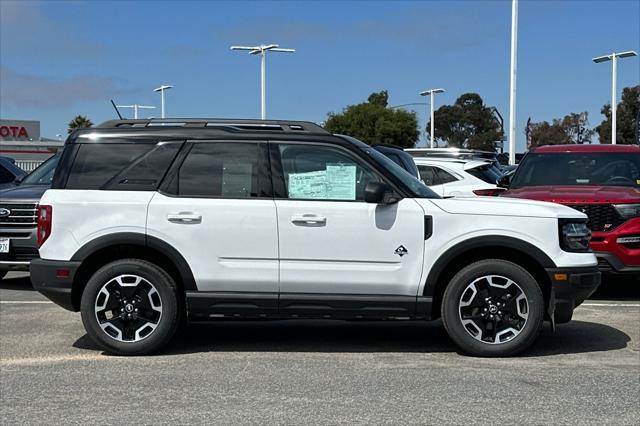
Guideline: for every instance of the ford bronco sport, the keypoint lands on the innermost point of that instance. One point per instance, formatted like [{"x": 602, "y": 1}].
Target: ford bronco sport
[{"x": 150, "y": 222}]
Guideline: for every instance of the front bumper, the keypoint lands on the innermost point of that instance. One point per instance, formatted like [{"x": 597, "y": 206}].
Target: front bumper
[
  {"x": 614, "y": 256},
  {"x": 54, "y": 279},
  {"x": 22, "y": 248},
  {"x": 569, "y": 288}
]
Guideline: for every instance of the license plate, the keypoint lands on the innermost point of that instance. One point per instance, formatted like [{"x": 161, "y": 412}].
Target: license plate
[{"x": 4, "y": 245}]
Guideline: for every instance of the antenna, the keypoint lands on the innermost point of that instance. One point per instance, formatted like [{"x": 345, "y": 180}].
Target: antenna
[{"x": 116, "y": 108}]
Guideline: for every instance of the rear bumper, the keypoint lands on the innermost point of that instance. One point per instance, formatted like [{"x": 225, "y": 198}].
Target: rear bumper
[
  {"x": 569, "y": 288},
  {"x": 50, "y": 277}
]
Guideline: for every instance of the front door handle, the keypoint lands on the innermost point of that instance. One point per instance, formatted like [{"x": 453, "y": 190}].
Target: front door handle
[
  {"x": 184, "y": 217},
  {"x": 308, "y": 219}
]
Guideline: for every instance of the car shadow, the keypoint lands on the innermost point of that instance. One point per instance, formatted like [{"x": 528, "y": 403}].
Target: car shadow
[
  {"x": 16, "y": 283},
  {"x": 366, "y": 337}
]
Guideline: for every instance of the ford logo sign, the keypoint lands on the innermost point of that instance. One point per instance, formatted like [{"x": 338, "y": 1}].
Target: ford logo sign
[{"x": 5, "y": 212}]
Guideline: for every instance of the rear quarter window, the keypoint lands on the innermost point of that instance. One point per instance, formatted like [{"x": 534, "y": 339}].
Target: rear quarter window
[{"x": 120, "y": 166}]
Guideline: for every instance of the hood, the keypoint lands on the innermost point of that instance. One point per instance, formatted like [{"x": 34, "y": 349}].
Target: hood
[
  {"x": 23, "y": 193},
  {"x": 495, "y": 206},
  {"x": 577, "y": 194}
]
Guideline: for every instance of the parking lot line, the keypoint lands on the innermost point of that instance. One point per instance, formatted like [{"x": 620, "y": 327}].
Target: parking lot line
[
  {"x": 17, "y": 302},
  {"x": 623, "y": 304}
]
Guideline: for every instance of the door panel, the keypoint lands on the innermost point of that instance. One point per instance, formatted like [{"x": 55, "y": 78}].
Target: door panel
[
  {"x": 331, "y": 241},
  {"x": 232, "y": 247},
  {"x": 220, "y": 215},
  {"x": 353, "y": 251}
]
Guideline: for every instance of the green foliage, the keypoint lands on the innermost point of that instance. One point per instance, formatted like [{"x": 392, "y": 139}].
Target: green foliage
[
  {"x": 373, "y": 122},
  {"x": 79, "y": 122},
  {"x": 627, "y": 118},
  {"x": 468, "y": 123},
  {"x": 573, "y": 128}
]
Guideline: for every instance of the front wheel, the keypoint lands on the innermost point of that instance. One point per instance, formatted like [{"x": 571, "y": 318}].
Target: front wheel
[
  {"x": 493, "y": 308},
  {"x": 130, "y": 307}
]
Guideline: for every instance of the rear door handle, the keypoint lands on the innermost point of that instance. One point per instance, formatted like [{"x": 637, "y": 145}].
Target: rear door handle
[
  {"x": 184, "y": 217},
  {"x": 308, "y": 219}
]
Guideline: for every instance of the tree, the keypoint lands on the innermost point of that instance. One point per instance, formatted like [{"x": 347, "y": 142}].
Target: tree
[
  {"x": 627, "y": 118},
  {"x": 373, "y": 122},
  {"x": 468, "y": 123},
  {"x": 79, "y": 122},
  {"x": 573, "y": 128}
]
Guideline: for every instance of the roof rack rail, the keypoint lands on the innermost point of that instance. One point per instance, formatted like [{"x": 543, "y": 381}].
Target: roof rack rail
[{"x": 246, "y": 125}]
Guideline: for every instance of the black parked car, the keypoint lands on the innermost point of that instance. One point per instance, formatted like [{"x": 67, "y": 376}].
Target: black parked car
[{"x": 17, "y": 216}]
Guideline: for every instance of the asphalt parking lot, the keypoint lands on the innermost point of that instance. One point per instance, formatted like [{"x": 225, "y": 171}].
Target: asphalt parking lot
[{"x": 309, "y": 372}]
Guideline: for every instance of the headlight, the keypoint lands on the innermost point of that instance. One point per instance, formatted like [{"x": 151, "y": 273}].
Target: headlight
[
  {"x": 574, "y": 235},
  {"x": 628, "y": 211}
]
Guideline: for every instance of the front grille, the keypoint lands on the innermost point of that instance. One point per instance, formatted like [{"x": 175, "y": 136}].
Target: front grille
[
  {"x": 21, "y": 214},
  {"x": 602, "y": 217}
]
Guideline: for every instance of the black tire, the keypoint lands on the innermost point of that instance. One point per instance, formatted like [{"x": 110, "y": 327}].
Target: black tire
[
  {"x": 166, "y": 324},
  {"x": 488, "y": 346}
]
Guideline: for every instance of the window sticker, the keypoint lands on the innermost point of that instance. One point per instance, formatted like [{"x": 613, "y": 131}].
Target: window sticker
[
  {"x": 336, "y": 182},
  {"x": 308, "y": 185},
  {"x": 341, "y": 182}
]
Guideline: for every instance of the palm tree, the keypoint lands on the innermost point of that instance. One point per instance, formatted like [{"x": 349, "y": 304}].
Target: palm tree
[{"x": 79, "y": 122}]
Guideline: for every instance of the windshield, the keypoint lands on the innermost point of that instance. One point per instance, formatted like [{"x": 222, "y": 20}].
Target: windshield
[
  {"x": 418, "y": 188},
  {"x": 595, "y": 168},
  {"x": 43, "y": 174}
]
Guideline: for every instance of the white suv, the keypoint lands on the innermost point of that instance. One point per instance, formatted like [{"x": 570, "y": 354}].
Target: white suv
[
  {"x": 451, "y": 177},
  {"x": 150, "y": 222}
]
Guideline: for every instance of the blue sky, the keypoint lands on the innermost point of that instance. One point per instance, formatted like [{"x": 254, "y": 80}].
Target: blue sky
[{"x": 62, "y": 58}]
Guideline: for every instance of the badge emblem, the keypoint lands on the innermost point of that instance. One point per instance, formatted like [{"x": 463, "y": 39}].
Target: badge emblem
[
  {"x": 401, "y": 251},
  {"x": 4, "y": 212}
]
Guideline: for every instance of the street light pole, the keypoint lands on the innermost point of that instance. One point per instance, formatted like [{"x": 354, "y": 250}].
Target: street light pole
[
  {"x": 262, "y": 50},
  {"x": 162, "y": 89},
  {"x": 431, "y": 93},
  {"x": 263, "y": 85},
  {"x": 135, "y": 108},
  {"x": 512, "y": 97},
  {"x": 614, "y": 77}
]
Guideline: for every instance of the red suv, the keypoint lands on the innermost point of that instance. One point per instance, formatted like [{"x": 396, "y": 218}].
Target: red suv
[{"x": 603, "y": 181}]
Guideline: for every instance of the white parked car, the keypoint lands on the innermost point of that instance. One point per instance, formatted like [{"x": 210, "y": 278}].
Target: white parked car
[
  {"x": 147, "y": 225},
  {"x": 450, "y": 177}
]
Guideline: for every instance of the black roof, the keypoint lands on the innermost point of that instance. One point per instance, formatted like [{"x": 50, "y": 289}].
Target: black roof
[
  {"x": 222, "y": 123},
  {"x": 199, "y": 128}
]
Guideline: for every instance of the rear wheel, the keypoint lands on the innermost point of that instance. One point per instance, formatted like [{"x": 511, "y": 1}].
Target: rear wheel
[
  {"x": 130, "y": 307},
  {"x": 493, "y": 308}
]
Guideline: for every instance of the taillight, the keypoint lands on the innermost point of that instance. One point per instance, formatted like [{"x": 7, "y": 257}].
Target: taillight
[
  {"x": 44, "y": 223},
  {"x": 492, "y": 192}
]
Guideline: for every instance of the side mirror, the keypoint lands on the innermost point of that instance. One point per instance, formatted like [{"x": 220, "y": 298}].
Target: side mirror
[
  {"x": 504, "y": 181},
  {"x": 20, "y": 178},
  {"x": 379, "y": 193}
]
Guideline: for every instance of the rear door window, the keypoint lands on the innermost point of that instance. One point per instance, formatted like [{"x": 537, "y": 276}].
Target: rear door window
[{"x": 222, "y": 170}]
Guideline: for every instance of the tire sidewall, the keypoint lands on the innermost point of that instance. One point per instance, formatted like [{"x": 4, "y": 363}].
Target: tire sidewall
[
  {"x": 453, "y": 323},
  {"x": 166, "y": 289}
]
